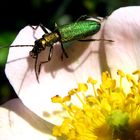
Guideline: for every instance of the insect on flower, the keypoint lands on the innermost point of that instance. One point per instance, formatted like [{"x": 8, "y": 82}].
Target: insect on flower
[{"x": 78, "y": 30}]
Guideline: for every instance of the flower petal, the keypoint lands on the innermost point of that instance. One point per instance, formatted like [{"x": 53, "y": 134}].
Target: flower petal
[
  {"x": 123, "y": 26},
  {"x": 56, "y": 77},
  {"x": 17, "y": 122}
]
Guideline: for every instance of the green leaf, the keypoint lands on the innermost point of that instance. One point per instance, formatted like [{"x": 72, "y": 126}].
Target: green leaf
[{"x": 6, "y": 39}]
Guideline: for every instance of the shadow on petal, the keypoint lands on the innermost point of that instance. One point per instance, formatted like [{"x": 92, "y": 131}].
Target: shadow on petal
[{"x": 36, "y": 122}]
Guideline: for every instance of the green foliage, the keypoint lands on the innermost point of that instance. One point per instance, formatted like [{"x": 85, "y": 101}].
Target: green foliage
[
  {"x": 4, "y": 93},
  {"x": 6, "y": 39}
]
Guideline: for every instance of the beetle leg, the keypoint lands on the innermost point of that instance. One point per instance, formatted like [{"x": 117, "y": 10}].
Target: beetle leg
[
  {"x": 86, "y": 40},
  {"x": 36, "y": 72},
  {"x": 62, "y": 47},
  {"x": 34, "y": 27},
  {"x": 84, "y": 17},
  {"x": 63, "y": 51},
  {"x": 43, "y": 28},
  {"x": 49, "y": 58},
  {"x": 40, "y": 25}
]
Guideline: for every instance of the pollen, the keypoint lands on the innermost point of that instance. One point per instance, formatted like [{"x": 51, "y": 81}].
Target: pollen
[{"x": 108, "y": 113}]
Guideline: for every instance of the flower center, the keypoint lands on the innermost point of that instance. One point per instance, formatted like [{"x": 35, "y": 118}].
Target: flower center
[{"x": 108, "y": 113}]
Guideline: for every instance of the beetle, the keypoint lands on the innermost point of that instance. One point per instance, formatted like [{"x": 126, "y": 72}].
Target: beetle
[{"x": 65, "y": 33}]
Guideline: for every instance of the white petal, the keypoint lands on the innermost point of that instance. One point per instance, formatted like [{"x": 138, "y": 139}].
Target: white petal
[
  {"x": 18, "y": 123},
  {"x": 56, "y": 77},
  {"x": 123, "y": 27}
]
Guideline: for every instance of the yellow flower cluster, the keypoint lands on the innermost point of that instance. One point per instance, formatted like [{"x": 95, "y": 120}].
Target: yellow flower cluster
[{"x": 109, "y": 113}]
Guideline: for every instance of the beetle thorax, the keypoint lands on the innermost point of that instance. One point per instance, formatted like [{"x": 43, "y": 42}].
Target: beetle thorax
[{"x": 51, "y": 38}]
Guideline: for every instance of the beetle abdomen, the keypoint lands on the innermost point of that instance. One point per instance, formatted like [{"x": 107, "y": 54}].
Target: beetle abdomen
[{"x": 78, "y": 30}]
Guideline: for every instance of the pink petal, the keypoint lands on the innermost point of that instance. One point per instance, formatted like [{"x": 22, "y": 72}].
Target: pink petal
[
  {"x": 18, "y": 123},
  {"x": 123, "y": 26},
  {"x": 56, "y": 77}
]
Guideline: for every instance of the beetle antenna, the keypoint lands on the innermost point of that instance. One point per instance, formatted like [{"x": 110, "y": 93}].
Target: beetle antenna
[
  {"x": 1, "y": 47},
  {"x": 36, "y": 71},
  {"x": 21, "y": 46}
]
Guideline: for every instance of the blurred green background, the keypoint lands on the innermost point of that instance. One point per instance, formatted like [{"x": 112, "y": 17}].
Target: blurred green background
[{"x": 15, "y": 14}]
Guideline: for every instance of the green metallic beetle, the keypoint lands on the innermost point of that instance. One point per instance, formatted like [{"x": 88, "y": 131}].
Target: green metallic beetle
[{"x": 65, "y": 33}]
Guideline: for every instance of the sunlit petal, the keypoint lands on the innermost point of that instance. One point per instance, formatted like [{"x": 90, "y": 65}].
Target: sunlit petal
[{"x": 123, "y": 26}]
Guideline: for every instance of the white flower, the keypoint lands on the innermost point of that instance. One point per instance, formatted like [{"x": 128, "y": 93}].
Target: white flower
[
  {"x": 18, "y": 122},
  {"x": 58, "y": 77}
]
